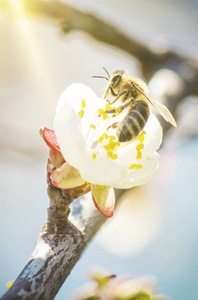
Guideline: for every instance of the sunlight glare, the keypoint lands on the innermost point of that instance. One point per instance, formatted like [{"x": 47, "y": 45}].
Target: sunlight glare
[{"x": 30, "y": 47}]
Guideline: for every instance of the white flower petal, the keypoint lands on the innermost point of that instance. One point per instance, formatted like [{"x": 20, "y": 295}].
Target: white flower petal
[
  {"x": 138, "y": 177},
  {"x": 74, "y": 95},
  {"x": 102, "y": 171},
  {"x": 71, "y": 132},
  {"x": 153, "y": 137},
  {"x": 69, "y": 136}
]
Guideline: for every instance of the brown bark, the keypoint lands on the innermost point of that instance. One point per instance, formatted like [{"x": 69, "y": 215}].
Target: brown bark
[{"x": 60, "y": 244}]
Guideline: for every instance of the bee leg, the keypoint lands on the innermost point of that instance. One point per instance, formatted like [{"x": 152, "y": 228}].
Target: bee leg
[
  {"x": 119, "y": 108},
  {"x": 124, "y": 92},
  {"x": 110, "y": 111},
  {"x": 114, "y": 125},
  {"x": 107, "y": 92},
  {"x": 112, "y": 92}
]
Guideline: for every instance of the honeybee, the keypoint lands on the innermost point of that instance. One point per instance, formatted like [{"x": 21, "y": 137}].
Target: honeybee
[{"x": 134, "y": 96}]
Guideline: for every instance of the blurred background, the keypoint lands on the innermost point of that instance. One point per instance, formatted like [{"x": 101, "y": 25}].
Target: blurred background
[{"x": 44, "y": 47}]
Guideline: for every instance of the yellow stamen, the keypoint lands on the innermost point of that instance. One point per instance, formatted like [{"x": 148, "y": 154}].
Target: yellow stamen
[
  {"x": 104, "y": 116},
  {"x": 110, "y": 146},
  {"x": 100, "y": 111},
  {"x": 139, "y": 154},
  {"x": 140, "y": 146},
  {"x": 100, "y": 139},
  {"x": 83, "y": 103},
  {"x": 112, "y": 137},
  {"x": 108, "y": 106},
  {"x": 92, "y": 126},
  {"x": 94, "y": 155},
  {"x": 134, "y": 166},
  {"x": 114, "y": 156},
  {"x": 119, "y": 109},
  {"x": 141, "y": 137},
  {"x": 105, "y": 135},
  {"x": 111, "y": 155},
  {"x": 117, "y": 144},
  {"x": 81, "y": 113}
]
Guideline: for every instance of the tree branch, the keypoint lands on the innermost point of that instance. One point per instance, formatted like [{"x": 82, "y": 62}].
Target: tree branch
[{"x": 60, "y": 244}]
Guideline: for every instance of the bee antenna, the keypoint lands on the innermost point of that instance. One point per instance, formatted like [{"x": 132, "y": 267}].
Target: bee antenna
[
  {"x": 106, "y": 71},
  {"x": 101, "y": 77}
]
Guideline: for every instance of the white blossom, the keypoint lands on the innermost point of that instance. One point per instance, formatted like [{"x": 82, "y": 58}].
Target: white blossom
[{"x": 89, "y": 145}]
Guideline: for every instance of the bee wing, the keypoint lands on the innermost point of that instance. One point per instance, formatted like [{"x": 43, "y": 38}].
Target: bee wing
[
  {"x": 159, "y": 107},
  {"x": 162, "y": 110}
]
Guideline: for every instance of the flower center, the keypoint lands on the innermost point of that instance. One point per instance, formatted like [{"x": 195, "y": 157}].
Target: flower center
[{"x": 99, "y": 144}]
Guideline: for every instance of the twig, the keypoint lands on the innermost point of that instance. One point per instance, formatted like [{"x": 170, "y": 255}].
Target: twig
[{"x": 60, "y": 244}]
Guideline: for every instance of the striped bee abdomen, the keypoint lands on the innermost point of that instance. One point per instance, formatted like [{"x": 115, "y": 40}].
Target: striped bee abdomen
[{"x": 134, "y": 121}]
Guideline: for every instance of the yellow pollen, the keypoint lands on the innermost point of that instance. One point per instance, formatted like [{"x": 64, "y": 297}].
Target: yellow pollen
[
  {"x": 104, "y": 116},
  {"x": 112, "y": 137},
  {"x": 139, "y": 154},
  {"x": 119, "y": 109},
  {"x": 140, "y": 146},
  {"x": 81, "y": 113},
  {"x": 100, "y": 111},
  {"x": 141, "y": 137},
  {"x": 117, "y": 144},
  {"x": 83, "y": 103},
  {"x": 111, "y": 155},
  {"x": 105, "y": 135},
  {"x": 94, "y": 155},
  {"x": 114, "y": 156},
  {"x": 134, "y": 166},
  {"x": 100, "y": 139},
  {"x": 92, "y": 126},
  {"x": 110, "y": 146},
  {"x": 108, "y": 106}
]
